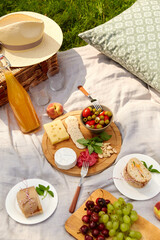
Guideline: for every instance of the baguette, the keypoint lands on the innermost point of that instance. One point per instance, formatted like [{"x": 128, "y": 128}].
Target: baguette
[
  {"x": 28, "y": 201},
  {"x": 136, "y": 174}
]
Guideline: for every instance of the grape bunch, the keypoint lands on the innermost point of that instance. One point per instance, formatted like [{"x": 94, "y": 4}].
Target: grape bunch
[{"x": 104, "y": 219}]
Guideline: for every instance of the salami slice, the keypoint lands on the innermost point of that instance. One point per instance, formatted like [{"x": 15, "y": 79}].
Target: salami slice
[{"x": 85, "y": 156}]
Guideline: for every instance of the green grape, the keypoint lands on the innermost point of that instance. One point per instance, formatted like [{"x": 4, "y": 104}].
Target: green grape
[
  {"x": 130, "y": 206},
  {"x": 124, "y": 227},
  {"x": 126, "y": 219},
  {"x": 128, "y": 238},
  {"x": 120, "y": 236},
  {"x": 105, "y": 218},
  {"x": 132, "y": 234},
  {"x": 126, "y": 210},
  {"x": 121, "y": 201},
  {"x": 117, "y": 205},
  {"x": 101, "y": 220},
  {"x": 115, "y": 225},
  {"x": 134, "y": 216},
  {"x": 134, "y": 212},
  {"x": 108, "y": 225},
  {"x": 114, "y": 217},
  {"x": 138, "y": 235},
  {"x": 110, "y": 208},
  {"x": 114, "y": 238},
  {"x": 112, "y": 232},
  {"x": 101, "y": 213},
  {"x": 119, "y": 212},
  {"x": 121, "y": 219}
]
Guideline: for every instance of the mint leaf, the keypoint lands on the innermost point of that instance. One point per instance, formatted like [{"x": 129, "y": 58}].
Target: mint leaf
[
  {"x": 154, "y": 170},
  {"x": 96, "y": 139},
  {"x": 39, "y": 191},
  {"x": 98, "y": 144},
  {"x": 105, "y": 136},
  {"x": 83, "y": 141},
  {"x": 90, "y": 149},
  {"x": 51, "y": 193},
  {"x": 150, "y": 167},
  {"x": 144, "y": 164},
  {"x": 97, "y": 149},
  {"x": 41, "y": 187}
]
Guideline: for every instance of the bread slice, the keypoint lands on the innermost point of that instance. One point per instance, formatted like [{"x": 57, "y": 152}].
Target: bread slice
[
  {"x": 136, "y": 174},
  {"x": 29, "y": 202}
]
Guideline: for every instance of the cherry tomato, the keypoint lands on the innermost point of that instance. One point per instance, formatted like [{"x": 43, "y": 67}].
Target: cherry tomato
[
  {"x": 106, "y": 117},
  {"x": 102, "y": 113},
  {"x": 86, "y": 112},
  {"x": 91, "y": 122}
]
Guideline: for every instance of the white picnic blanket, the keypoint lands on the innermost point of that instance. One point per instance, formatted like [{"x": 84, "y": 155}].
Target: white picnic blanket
[{"x": 137, "y": 114}]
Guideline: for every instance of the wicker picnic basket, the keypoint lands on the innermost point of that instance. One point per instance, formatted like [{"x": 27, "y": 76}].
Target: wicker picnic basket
[{"x": 33, "y": 74}]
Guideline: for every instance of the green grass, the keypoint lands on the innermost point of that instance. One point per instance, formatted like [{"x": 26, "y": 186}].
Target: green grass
[{"x": 73, "y": 16}]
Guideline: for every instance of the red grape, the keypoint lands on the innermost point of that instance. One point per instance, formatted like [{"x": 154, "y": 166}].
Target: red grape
[
  {"x": 97, "y": 200},
  {"x": 92, "y": 225},
  {"x": 86, "y": 219},
  {"x": 101, "y": 202},
  {"x": 104, "y": 209},
  {"x": 94, "y": 217},
  {"x": 105, "y": 232},
  {"x": 95, "y": 232},
  {"x": 101, "y": 226},
  {"x": 88, "y": 237},
  {"x": 84, "y": 229},
  {"x": 96, "y": 208},
  {"x": 89, "y": 204},
  {"x": 100, "y": 237},
  {"x": 107, "y": 201},
  {"x": 89, "y": 212}
]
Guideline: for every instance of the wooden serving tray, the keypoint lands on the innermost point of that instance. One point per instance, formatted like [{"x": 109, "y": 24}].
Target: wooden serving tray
[
  {"x": 102, "y": 164},
  {"x": 74, "y": 222}
]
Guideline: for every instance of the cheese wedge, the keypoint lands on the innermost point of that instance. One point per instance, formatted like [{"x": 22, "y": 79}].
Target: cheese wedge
[{"x": 56, "y": 131}]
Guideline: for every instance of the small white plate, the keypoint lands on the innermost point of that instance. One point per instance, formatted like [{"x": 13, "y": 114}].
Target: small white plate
[
  {"x": 49, "y": 203},
  {"x": 149, "y": 191}
]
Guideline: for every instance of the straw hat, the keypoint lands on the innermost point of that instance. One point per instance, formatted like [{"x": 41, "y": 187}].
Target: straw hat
[{"x": 28, "y": 38}]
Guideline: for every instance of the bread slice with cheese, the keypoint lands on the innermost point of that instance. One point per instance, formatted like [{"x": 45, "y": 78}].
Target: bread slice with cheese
[
  {"x": 136, "y": 174},
  {"x": 28, "y": 201}
]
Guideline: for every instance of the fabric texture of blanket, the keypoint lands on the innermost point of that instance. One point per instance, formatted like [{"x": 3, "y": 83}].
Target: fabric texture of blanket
[{"x": 137, "y": 114}]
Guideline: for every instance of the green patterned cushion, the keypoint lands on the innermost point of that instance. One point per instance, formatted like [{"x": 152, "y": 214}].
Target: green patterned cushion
[{"x": 133, "y": 40}]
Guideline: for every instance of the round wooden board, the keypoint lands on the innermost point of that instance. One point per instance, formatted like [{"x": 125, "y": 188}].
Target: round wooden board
[{"x": 103, "y": 163}]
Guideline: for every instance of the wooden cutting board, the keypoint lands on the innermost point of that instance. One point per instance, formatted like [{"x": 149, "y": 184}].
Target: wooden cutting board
[
  {"x": 74, "y": 222},
  {"x": 49, "y": 149}
]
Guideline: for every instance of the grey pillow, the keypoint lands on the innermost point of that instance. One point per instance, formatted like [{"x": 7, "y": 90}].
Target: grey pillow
[{"x": 133, "y": 40}]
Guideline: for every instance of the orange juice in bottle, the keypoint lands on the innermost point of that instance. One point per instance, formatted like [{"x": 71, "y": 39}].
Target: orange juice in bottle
[{"x": 20, "y": 103}]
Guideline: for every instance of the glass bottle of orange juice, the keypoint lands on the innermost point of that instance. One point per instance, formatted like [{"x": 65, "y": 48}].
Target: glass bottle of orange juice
[{"x": 20, "y": 101}]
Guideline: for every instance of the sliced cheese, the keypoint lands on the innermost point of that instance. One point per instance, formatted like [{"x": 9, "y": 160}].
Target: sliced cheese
[
  {"x": 56, "y": 131},
  {"x": 74, "y": 131},
  {"x": 65, "y": 158}
]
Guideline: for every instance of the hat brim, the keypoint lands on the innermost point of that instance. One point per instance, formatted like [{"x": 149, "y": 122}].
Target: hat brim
[{"x": 51, "y": 43}]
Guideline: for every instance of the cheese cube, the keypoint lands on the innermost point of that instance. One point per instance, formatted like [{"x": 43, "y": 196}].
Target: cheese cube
[{"x": 56, "y": 131}]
